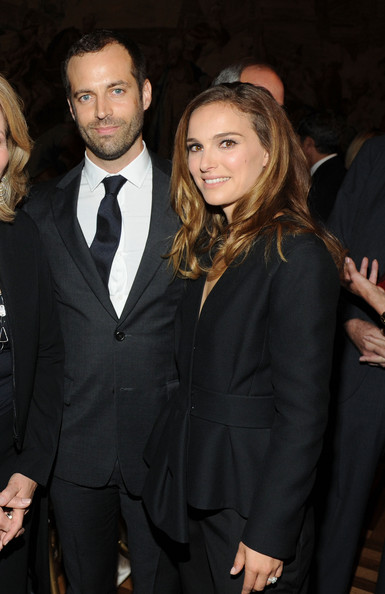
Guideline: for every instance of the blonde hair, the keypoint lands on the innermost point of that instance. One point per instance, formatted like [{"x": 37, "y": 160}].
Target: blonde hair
[
  {"x": 19, "y": 147},
  {"x": 281, "y": 188}
]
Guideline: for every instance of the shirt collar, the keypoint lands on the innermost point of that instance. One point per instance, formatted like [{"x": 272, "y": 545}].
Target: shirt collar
[
  {"x": 314, "y": 167},
  {"x": 135, "y": 172}
]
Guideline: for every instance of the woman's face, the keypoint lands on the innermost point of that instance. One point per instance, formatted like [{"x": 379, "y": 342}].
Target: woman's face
[
  {"x": 4, "y": 156},
  {"x": 225, "y": 156}
]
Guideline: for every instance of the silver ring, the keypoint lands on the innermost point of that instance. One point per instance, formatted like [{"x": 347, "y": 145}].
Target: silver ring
[{"x": 272, "y": 580}]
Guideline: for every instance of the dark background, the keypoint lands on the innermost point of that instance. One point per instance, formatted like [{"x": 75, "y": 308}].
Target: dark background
[{"x": 330, "y": 53}]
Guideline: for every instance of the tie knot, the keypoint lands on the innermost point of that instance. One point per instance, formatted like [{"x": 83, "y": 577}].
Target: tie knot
[{"x": 113, "y": 184}]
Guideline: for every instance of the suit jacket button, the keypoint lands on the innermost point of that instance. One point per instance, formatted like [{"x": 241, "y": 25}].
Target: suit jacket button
[{"x": 120, "y": 336}]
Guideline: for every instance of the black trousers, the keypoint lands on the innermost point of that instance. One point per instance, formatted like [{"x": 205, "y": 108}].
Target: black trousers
[
  {"x": 345, "y": 479},
  {"x": 214, "y": 539},
  {"x": 87, "y": 521}
]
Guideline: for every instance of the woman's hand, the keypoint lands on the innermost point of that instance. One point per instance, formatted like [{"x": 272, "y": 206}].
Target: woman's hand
[
  {"x": 360, "y": 284},
  {"x": 258, "y": 568},
  {"x": 15, "y": 500},
  {"x": 374, "y": 350}
]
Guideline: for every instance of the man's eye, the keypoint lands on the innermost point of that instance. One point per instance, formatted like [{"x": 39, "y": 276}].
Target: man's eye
[
  {"x": 84, "y": 98},
  {"x": 118, "y": 91}
]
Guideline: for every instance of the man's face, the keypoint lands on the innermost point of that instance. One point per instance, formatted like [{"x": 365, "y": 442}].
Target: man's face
[
  {"x": 266, "y": 78},
  {"x": 107, "y": 106}
]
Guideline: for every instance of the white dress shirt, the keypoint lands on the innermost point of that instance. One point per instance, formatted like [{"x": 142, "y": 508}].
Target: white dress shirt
[{"x": 135, "y": 200}]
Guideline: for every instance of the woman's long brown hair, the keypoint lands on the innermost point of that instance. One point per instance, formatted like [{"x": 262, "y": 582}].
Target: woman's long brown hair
[{"x": 281, "y": 189}]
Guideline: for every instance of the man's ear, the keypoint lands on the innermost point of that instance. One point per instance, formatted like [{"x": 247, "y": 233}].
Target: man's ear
[
  {"x": 308, "y": 143},
  {"x": 146, "y": 94},
  {"x": 308, "y": 146}
]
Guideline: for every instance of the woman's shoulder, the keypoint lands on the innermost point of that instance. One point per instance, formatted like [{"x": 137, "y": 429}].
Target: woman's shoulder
[
  {"x": 302, "y": 240},
  {"x": 299, "y": 252},
  {"x": 279, "y": 244},
  {"x": 22, "y": 229}
]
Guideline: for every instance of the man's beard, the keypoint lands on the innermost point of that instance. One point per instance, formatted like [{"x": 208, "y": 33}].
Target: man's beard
[{"x": 110, "y": 148}]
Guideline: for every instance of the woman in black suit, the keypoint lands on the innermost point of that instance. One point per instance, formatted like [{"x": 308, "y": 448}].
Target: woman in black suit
[
  {"x": 233, "y": 458},
  {"x": 31, "y": 354}
]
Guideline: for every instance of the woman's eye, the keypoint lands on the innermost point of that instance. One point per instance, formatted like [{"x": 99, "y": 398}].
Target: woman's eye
[
  {"x": 228, "y": 143},
  {"x": 194, "y": 148}
]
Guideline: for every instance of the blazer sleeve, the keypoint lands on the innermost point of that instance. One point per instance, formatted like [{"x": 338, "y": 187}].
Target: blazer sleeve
[
  {"x": 302, "y": 312},
  {"x": 41, "y": 435}
]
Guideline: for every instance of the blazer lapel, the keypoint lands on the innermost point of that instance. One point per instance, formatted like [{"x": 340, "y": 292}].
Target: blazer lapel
[
  {"x": 163, "y": 226},
  {"x": 64, "y": 207}
]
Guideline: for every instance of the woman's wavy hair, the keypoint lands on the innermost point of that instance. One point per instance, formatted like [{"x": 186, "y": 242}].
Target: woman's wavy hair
[
  {"x": 206, "y": 242},
  {"x": 19, "y": 148}
]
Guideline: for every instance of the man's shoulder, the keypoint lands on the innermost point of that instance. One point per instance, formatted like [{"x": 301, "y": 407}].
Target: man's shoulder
[
  {"x": 334, "y": 162},
  {"x": 333, "y": 166},
  {"x": 372, "y": 152},
  {"x": 60, "y": 181},
  {"x": 42, "y": 192},
  {"x": 160, "y": 164},
  {"x": 376, "y": 143}
]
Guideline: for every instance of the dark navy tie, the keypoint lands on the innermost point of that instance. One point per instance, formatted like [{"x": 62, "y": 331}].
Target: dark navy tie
[{"x": 108, "y": 227}]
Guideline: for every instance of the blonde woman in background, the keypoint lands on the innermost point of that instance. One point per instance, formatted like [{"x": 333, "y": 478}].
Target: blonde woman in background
[{"x": 31, "y": 353}]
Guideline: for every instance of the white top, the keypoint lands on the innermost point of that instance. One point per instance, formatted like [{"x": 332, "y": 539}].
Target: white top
[{"x": 135, "y": 200}]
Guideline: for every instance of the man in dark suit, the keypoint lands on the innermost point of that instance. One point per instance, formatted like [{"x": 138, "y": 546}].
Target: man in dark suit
[
  {"x": 320, "y": 139},
  {"x": 358, "y": 411},
  {"x": 116, "y": 303}
]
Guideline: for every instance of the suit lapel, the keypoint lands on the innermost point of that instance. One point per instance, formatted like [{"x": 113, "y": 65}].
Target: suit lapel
[
  {"x": 163, "y": 226},
  {"x": 64, "y": 207}
]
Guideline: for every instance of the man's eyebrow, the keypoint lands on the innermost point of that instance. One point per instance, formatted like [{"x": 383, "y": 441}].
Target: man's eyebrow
[
  {"x": 82, "y": 92},
  {"x": 117, "y": 83}
]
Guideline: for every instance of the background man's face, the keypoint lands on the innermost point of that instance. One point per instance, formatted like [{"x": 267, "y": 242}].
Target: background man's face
[{"x": 263, "y": 77}]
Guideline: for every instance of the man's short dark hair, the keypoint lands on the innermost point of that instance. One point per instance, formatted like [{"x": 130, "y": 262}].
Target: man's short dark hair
[
  {"x": 324, "y": 128},
  {"x": 95, "y": 42}
]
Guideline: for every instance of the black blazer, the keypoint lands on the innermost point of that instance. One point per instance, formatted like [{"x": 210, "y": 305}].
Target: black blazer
[
  {"x": 326, "y": 182},
  {"x": 358, "y": 220},
  {"x": 245, "y": 430},
  {"x": 118, "y": 371},
  {"x": 36, "y": 344}
]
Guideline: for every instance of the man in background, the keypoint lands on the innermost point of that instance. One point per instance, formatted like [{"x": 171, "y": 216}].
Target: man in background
[
  {"x": 356, "y": 439},
  {"x": 320, "y": 134},
  {"x": 255, "y": 73}
]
